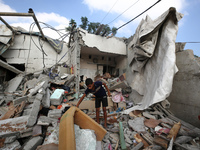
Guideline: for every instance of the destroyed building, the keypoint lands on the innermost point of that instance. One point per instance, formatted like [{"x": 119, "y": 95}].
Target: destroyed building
[{"x": 153, "y": 80}]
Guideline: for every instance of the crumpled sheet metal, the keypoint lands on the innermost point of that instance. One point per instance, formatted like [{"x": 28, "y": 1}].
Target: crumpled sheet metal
[{"x": 153, "y": 68}]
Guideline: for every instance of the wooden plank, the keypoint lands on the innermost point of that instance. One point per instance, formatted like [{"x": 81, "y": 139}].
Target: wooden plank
[
  {"x": 66, "y": 129},
  {"x": 160, "y": 141},
  {"x": 139, "y": 139}
]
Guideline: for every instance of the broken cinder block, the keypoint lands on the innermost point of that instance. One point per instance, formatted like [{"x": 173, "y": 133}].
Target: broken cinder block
[{"x": 34, "y": 113}]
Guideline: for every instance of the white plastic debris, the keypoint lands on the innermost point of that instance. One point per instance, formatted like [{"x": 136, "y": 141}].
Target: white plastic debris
[{"x": 85, "y": 139}]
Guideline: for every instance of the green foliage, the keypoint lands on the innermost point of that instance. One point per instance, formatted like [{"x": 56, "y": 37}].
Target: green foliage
[
  {"x": 72, "y": 22},
  {"x": 92, "y": 27},
  {"x": 84, "y": 24}
]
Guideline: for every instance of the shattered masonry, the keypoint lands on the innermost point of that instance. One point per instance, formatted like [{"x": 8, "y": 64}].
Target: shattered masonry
[{"x": 149, "y": 75}]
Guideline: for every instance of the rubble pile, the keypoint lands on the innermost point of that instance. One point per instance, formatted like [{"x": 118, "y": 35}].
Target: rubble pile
[
  {"x": 32, "y": 105},
  {"x": 153, "y": 128}
]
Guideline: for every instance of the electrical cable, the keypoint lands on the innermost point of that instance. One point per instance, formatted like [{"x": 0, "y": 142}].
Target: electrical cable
[
  {"x": 138, "y": 15},
  {"x": 108, "y": 11},
  {"x": 62, "y": 36},
  {"x": 123, "y": 12},
  {"x": 187, "y": 42}
]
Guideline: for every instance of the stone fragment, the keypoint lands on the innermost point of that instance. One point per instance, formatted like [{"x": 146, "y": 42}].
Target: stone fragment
[
  {"x": 147, "y": 115},
  {"x": 137, "y": 124},
  {"x": 36, "y": 88},
  {"x": 37, "y": 130},
  {"x": 34, "y": 113},
  {"x": 26, "y": 112},
  {"x": 39, "y": 96},
  {"x": 138, "y": 146},
  {"x": 12, "y": 146},
  {"x": 18, "y": 100},
  {"x": 122, "y": 84},
  {"x": 183, "y": 139},
  {"x": 10, "y": 139},
  {"x": 8, "y": 98},
  {"x": 43, "y": 120},
  {"x": 46, "y": 99},
  {"x": 14, "y": 83},
  {"x": 55, "y": 113},
  {"x": 13, "y": 126},
  {"x": 127, "y": 139},
  {"x": 32, "y": 143}
]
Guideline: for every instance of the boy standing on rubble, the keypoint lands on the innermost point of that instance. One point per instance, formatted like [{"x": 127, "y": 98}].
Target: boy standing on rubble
[{"x": 97, "y": 89}]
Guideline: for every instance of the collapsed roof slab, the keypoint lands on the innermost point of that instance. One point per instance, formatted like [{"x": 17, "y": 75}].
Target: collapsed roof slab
[{"x": 103, "y": 44}]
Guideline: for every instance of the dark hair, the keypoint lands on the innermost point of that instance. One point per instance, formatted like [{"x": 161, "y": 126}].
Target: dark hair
[{"x": 88, "y": 81}]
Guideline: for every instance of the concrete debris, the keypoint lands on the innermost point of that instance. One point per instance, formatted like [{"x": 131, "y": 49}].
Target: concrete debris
[
  {"x": 32, "y": 118},
  {"x": 32, "y": 143},
  {"x": 35, "y": 108},
  {"x": 13, "y": 84}
]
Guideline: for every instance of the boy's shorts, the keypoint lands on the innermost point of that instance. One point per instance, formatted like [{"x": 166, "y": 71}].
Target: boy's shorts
[{"x": 98, "y": 101}]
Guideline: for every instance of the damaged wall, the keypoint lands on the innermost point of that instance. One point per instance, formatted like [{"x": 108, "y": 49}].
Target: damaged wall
[
  {"x": 92, "y": 65},
  {"x": 184, "y": 97},
  {"x": 24, "y": 51},
  {"x": 101, "y": 53}
]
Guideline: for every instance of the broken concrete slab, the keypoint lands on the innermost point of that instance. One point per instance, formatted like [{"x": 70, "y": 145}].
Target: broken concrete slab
[
  {"x": 137, "y": 124},
  {"x": 43, "y": 120},
  {"x": 18, "y": 100},
  {"x": 12, "y": 146},
  {"x": 8, "y": 98},
  {"x": 70, "y": 78},
  {"x": 36, "y": 88},
  {"x": 55, "y": 113},
  {"x": 122, "y": 84},
  {"x": 39, "y": 96},
  {"x": 31, "y": 83},
  {"x": 32, "y": 143},
  {"x": 46, "y": 99},
  {"x": 13, "y": 126},
  {"x": 34, "y": 113},
  {"x": 37, "y": 130},
  {"x": 10, "y": 139},
  {"x": 13, "y": 84}
]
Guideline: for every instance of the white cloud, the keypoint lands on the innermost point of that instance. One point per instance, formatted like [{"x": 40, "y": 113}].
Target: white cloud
[
  {"x": 138, "y": 6},
  {"x": 52, "y": 17},
  {"x": 5, "y": 8}
]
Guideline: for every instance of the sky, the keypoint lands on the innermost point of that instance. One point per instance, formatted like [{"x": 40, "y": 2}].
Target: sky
[{"x": 115, "y": 13}]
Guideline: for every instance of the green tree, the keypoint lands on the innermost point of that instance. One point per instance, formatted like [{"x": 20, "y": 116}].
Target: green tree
[
  {"x": 92, "y": 27},
  {"x": 106, "y": 30},
  {"x": 84, "y": 24},
  {"x": 72, "y": 22},
  {"x": 114, "y": 31}
]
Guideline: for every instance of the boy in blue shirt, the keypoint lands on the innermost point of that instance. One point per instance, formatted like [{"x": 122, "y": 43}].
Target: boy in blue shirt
[{"x": 98, "y": 90}]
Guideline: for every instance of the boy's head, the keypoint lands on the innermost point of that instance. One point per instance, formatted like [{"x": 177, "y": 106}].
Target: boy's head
[{"x": 89, "y": 83}]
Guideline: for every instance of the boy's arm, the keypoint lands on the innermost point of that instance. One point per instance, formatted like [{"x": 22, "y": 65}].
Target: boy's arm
[
  {"x": 107, "y": 89},
  {"x": 81, "y": 99}
]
